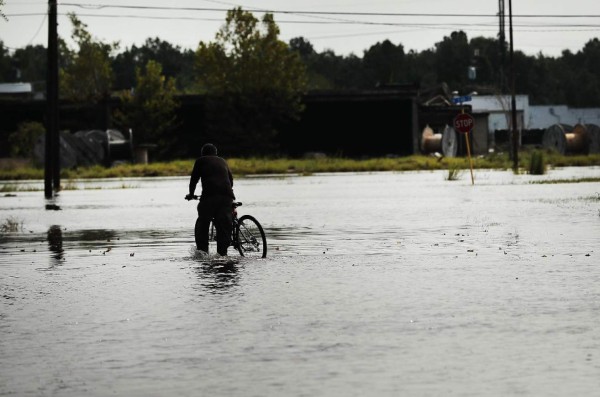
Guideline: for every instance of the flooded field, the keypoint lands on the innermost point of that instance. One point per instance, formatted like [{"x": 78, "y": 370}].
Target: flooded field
[{"x": 379, "y": 284}]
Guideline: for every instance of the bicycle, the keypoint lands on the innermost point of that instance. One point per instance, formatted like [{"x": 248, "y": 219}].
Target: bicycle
[{"x": 247, "y": 234}]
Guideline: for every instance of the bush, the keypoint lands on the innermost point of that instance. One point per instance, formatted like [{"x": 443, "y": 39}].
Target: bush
[
  {"x": 454, "y": 173},
  {"x": 537, "y": 163},
  {"x": 24, "y": 138}
]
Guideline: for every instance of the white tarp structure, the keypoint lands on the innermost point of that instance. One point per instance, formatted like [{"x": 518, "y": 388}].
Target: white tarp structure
[
  {"x": 530, "y": 117},
  {"x": 89, "y": 147},
  {"x": 544, "y": 116},
  {"x": 16, "y": 88}
]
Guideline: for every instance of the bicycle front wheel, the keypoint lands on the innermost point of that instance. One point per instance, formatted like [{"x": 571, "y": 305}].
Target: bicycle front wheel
[{"x": 251, "y": 238}]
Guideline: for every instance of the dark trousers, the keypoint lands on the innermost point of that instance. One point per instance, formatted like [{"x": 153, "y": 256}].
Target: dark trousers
[{"x": 217, "y": 209}]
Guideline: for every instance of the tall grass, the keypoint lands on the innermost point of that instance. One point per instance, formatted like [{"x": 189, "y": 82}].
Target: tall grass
[
  {"x": 11, "y": 225},
  {"x": 9, "y": 188},
  {"x": 561, "y": 181},
  {"x": 537, "y": 163},
  {"x": 454, "y": 173},
  {"x": 262, "y": 166}
]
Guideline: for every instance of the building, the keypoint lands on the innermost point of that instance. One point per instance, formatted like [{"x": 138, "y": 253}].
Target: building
[
  {"x": 542, "y": 117},
  {"x": 20, "y": 90},
  {"x": 532, "y": 120}
]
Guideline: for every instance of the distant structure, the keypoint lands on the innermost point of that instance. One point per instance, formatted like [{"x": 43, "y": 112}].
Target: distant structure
[
  {"x": 90, "y": 147},
  {"x": 20, "y": 90},
  {"x": 549, "y": 126},
  {"x": 545, "y": 116}
]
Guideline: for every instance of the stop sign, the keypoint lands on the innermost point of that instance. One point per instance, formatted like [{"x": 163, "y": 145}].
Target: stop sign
[{"x": 464, "y": 123}]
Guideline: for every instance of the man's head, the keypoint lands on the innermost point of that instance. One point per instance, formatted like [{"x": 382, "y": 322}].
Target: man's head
[{"x": 208, "y": 150}]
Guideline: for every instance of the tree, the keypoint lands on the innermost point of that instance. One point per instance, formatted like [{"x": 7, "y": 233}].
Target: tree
[
  {"x": 149, "y": 109},
  {"x": 23, "y": 140},
  {"x": 87, "y": 75},
  {"x": 453, "y": 57},
  {"x": 584, "y": 89},
  {"x": 6, "y": 70},
  {"x": 254, "y": 82},
  {"x": 31, "y": 63},
  {"x": 327, "y": 70},
  {"x": 176, "y": 63},
  {"x": 304, "y": 48},
  {"x": 384, "y": 63},
  {"x": 420, "y": 68},
  {"x": 544, "y": 83},
  {"x": 341, "y": 72},
  {"x": 314, "y": 79},
  {"x": 487, "y": 59}
]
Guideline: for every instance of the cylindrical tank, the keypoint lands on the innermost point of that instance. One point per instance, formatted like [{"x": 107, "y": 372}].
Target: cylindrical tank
[
  {"x": 444, "y": 143},
  {"x": 567, "y": 139}
]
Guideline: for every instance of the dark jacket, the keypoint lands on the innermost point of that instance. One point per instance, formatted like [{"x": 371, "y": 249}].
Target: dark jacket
[{"x": 215, "y": 176}]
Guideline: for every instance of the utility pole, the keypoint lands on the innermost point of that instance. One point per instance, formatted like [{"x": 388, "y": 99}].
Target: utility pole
[
  {"x": 502, "y": 44},
  {"x": 52, "y": 150},
  {"x": 515, "y": 132}
]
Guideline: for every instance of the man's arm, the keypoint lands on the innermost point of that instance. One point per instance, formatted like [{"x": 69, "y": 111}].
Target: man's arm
[{"x": 194, "y": 178}]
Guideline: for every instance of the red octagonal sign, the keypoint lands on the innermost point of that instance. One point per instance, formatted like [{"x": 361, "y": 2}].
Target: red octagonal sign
[{"x": 464, "y": 123}]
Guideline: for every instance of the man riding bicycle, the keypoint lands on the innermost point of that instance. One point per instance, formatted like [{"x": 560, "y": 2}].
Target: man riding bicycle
[{"x": 216, "y": 198}]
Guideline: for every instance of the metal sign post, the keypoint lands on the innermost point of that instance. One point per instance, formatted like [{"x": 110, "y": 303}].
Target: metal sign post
[{"x": 464, "y": 123}]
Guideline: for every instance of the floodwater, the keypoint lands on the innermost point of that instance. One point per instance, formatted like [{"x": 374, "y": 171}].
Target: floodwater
[{"x": 375, "y": 284}]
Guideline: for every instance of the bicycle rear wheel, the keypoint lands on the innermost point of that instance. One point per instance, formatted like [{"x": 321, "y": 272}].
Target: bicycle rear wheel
[{"x": 251, "y": 238}]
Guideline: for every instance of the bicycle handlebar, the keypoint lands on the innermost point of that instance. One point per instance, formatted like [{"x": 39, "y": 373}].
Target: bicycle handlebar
[{"x": 235, "y": 204}]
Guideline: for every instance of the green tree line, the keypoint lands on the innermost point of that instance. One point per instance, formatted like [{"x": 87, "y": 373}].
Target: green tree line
[{"x": 572, "y": 78}]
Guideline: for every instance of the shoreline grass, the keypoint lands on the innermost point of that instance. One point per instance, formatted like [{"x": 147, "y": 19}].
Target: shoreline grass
[
  {"x": 560, "y": 181},
  {"x": 68, "y": 186},
  {"x": 14, "y": 171}
]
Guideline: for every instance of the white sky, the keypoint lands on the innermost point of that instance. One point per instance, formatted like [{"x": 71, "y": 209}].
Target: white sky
[{"x": 342, "y": 33}]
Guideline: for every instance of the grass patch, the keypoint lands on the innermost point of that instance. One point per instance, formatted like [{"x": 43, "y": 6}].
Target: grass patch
[
  {"x": 10, "y": 188},
  {"x": 573, "y": 180},
  {"x": 264, "y": 166}
]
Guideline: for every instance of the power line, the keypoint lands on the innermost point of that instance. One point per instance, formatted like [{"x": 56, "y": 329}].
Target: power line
[
  {"x": 38, "y": 30},
  {"x": 325, "y": 20},
  {"x": 361, "y": 34},
  {"x": 590, "y": 27},
  {"x": 462, "y": 15}
]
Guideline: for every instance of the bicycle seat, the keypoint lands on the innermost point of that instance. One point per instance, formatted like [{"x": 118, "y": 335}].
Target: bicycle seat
[{"x": 236, "y": 204}]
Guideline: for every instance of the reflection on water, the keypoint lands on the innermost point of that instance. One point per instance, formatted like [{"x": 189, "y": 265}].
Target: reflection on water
[
  {"x": 94, "y": 235},
  {"x": 218, "y": 277},
  {"x": 55, "y": 244}
]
